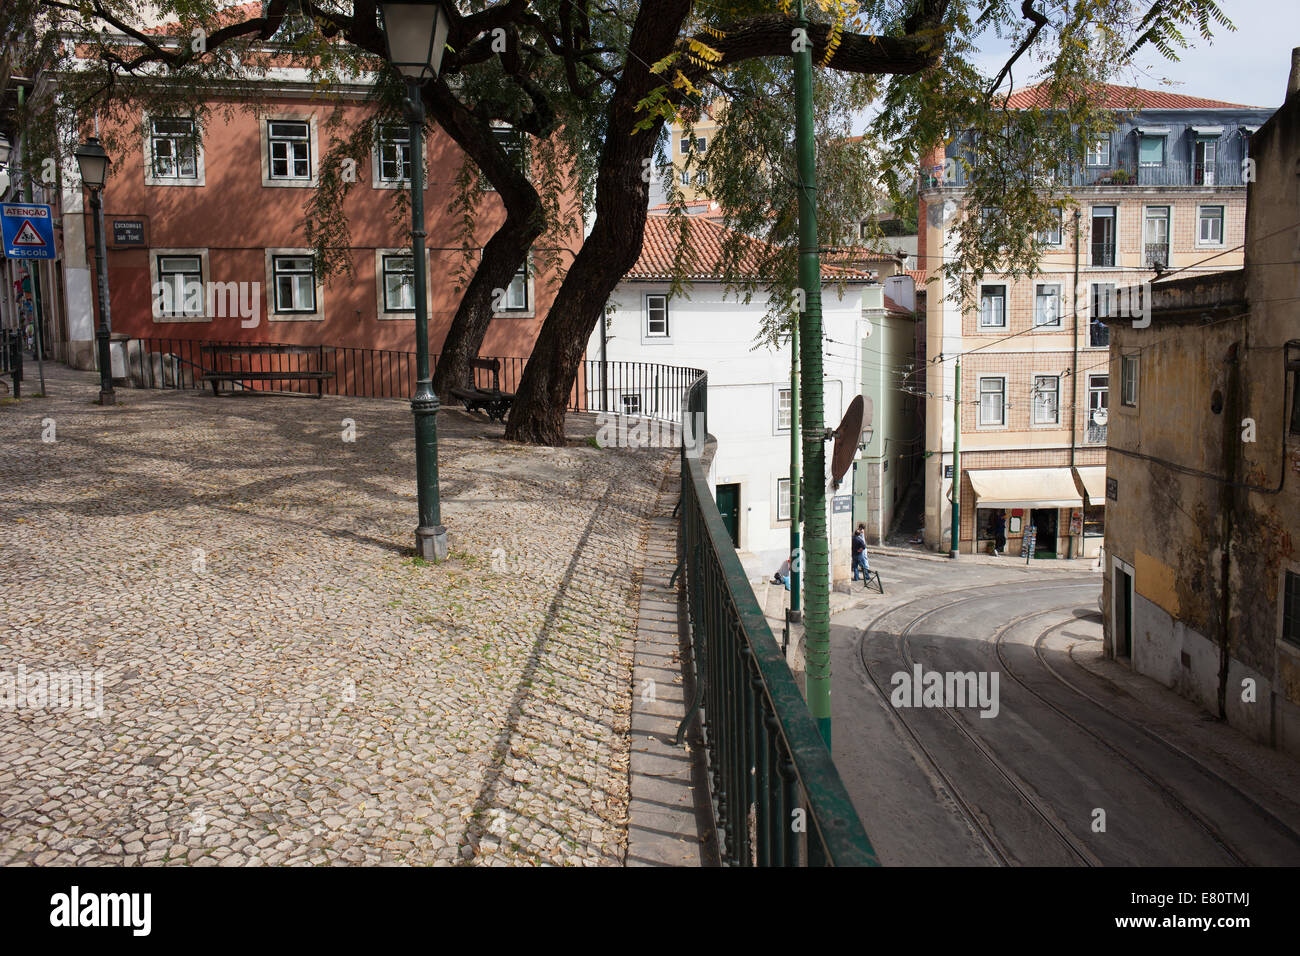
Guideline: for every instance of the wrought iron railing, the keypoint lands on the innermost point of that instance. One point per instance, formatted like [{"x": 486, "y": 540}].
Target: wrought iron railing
[
  {"x": 1123, "y": 172},
  {"x": 1155, "y": 254},
  {"x": 776, "y": 796},
  {"x": 644, "y": 389},
  {"x": 11, "y": 359}
]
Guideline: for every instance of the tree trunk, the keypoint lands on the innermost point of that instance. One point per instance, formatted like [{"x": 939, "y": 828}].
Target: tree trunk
[
  {"x": 504, "y": 253},
  {"x": 612, "y": 248}
]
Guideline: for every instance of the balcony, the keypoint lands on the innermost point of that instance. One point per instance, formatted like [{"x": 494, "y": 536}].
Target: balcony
[
  {"x": 1123, "y": 173},
  {"x": 1155, "y": 255},
  {"x": 1102, "y": 254}
]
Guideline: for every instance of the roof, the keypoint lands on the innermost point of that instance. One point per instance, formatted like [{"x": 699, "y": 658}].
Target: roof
[
  {"x": 703, "y": 260},
  {"x": 919, "y": 276},
  {"x": 859, "y": 254},
  {"x": 1124, "y": 98},
  {"x": 892, "y": 306},
  {"x": 226, "y": 16}
]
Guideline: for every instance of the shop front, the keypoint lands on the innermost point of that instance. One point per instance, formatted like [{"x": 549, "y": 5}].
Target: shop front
[
  {"x": 1040, "y": 503},
  {"x": 1092, "y": 480}
]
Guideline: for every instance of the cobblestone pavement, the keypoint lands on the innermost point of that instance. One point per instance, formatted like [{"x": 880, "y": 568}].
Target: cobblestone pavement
[{"x": 281, "y": 681}]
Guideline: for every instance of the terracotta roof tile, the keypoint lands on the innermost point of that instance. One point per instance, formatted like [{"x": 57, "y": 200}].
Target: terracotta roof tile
[
  {"x": 1125, "y": 98},
  {"x": 706, "y": 238}
]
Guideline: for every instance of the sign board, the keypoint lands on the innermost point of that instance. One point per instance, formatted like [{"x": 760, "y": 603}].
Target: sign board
[
  {"x": 129, "y": 232},
  {"x": 947, "y": 471},
  {"x": 841, "y": 504},
  {"x": 28, "y": 230},
  {"x": 1076, "y": 522},
  {"x": 1112, "y": 489}
]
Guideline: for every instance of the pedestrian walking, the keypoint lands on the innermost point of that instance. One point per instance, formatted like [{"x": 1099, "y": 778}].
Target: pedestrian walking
[
  {"x": 999, "y": 528},
  {"x": 860, "y": 555}
]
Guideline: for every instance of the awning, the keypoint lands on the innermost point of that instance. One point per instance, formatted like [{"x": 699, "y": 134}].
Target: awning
[
  {"x": 1025, "y": 488},
  {"x": 1154, "y": 130},
  {"x": 1250, "y": 129},
  {"x": 1093, "y": 480},
  {"x": 1208, "y": 130}
]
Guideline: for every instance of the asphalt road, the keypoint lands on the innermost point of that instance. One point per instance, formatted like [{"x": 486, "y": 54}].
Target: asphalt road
[{"x": 1077, "y": 761}]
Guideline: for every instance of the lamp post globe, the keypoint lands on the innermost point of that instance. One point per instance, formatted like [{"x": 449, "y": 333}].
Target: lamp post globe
[
  {"x": 93, "y": 162},
  {"x": 416, "y": 35}
]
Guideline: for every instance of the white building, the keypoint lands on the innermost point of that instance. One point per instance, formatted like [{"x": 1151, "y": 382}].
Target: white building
[{"x": 749, "y": 385}]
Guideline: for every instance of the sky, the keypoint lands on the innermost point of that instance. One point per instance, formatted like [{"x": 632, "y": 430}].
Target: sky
[{"x": 1248, "y": 66}]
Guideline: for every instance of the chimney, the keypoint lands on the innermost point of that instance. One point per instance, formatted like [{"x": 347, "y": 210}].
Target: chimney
[{"x": 1293, "y": 81}]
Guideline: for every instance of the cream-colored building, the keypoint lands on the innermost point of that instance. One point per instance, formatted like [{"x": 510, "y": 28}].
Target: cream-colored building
[{"x": 1166, "y": 190}]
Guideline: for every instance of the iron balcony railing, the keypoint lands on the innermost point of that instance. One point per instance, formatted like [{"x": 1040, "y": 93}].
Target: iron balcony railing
[
  {"x": 1103, "y": 254},
  {"x": 1155, "y": 254},
  {"x": 643, "y": 389},
  {"x": 776, "y": 796},
  {"x": 1125, "y": 172}
]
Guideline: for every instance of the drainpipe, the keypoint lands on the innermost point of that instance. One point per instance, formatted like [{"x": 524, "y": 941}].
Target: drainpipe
[
  {"x": 1227, "y": 502},
  {"x": 1074, "y": 373},
  {"x": 956, "y": 461}
]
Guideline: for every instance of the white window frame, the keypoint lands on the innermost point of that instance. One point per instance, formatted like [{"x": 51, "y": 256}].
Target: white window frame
[
  {"x": 1060, "y": 304},
  {"x": 684, "y": 178},
  {"x": 646, "y": 335},
  {"x": 1057, "y": 230},
  {"x": 980, "y": 323},
  {"x": 377, "y": 179},
  {"x": 777, "y": 391},
  {"x": 1002, "y": 410},
  {"x": 313, "y": 154},
  {"x": 150, "y": 176},
  {"x": 1088, "y": 406},
  {"x": 205, "y": 275},
  {"x": 1169, "y": 231},
  {"x": 1164, "y": 150},
  {"x": 380, "y": 310},
  {"x": 512, "y": 141},
  {"x": 1129, "y": 385},
  {"x": 623, "y": 398},
  {"x": 530, "y": 306},
  {"x": 1035, "y": 398},
  {"x": 271, "y": 314},
  {"x": 1098, "y": 153},
  {"x": 1200, "y": 220},
  {"x": 780, "y": 484}
]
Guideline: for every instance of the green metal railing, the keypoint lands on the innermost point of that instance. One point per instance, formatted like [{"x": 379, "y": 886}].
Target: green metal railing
[{"x": 777, "y": 798}]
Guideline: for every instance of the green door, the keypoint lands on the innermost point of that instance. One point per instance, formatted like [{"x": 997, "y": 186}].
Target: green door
[{"x": 729, "y": 508}]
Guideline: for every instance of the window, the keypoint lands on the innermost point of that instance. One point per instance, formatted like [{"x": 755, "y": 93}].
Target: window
[
  {"x": 631, "y": 404},
  {"x": 783, "y": 499},
  {"x": 864, "y": 229},
  {"x": 1094, "y": 521},
  {"x": 1047, "y": 304},
  {"x": 1204, "y": 154},
  {"x": 686, "y": 145},
  {"x": 1047, "y": 395},
  {"x": 517, "y": 292},
  {"x": 1291, "y": 610},
  {"x": 289, "y": 146},
  {"x": 1210, "y": 230},
  {"x": 1051, "y": 236},
  {"x": 513, "y": 144},
  {"x": 1128, "y": 380},
  {"x": 1103, "y": 236},
  {"x": 993, "y": 307},
  {"x": 701, "y": 178},
  {"x": 1151, "y": 150},
  {"x": 399, "y": 284},
  {"x": 1155, "y": 237},
  {"x": 1098, "y": 153},
  {"x": 174, "y": 148},
  {"x": 1103, "y": 307},
  {"x": 699, "y": 144},
  {"x": 1098, "y": 402},
  {"x": 295, "y": 283},
  {"x": 993, "y": 393},
  {"x": 686, "y": 177},
  {"x": 1294, "y": 369},
  {"x": 656, "y": 316},
  {"x": 783, "y": 407},
  {"x": 180, "y": 282},
  {"x": 394, "y": 155}
]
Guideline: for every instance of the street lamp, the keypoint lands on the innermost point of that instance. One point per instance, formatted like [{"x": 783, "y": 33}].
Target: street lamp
[
  {"x": 416, "y": 34},
  {"x": 93, "y": 162}
]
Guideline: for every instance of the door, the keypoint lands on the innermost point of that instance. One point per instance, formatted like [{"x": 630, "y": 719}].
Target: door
[
  {"x": 1156, "y": 237},
  {"x": 1044, "y": 520},
  {"x": 1204, "y": 153},
  {"x": 729, "y": 508},
  {"x": 1123, "y": 614}
]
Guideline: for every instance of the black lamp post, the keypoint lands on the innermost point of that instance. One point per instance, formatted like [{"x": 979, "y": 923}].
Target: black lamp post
[
  {"x": 94, "y": 171},
  {"x": 416, "y": 34}
]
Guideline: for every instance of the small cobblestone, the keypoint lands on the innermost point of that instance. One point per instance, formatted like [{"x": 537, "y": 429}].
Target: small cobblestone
[{"x": 281, "y": 682}]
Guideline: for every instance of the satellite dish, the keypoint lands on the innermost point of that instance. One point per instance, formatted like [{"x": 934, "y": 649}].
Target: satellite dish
[
  {"x": 847, "y": 436},
  {"x": 1100, "y": 416}
]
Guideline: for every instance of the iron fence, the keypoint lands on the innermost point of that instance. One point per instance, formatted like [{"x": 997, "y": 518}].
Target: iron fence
[
  {"x": 11, "y": 358},
  {"x": 776, "y": 796},
  {"x": 642, "y": 389}
]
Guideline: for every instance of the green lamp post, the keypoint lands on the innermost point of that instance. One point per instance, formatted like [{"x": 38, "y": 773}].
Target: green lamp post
[
  {"x": 93, "y": 163},
  {"x": 416, "y": 35}
]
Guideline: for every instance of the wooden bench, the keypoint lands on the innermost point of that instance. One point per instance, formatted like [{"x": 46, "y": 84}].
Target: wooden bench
[
  {"x": 215, "y": 376},
  {"x": 492, "y": 400}
]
